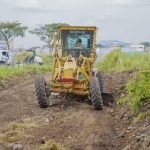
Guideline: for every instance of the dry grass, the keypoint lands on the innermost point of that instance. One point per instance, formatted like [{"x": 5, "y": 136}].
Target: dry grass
[
  {"x": 52, "y": 145},
  {"x": 15, "y": 131}
]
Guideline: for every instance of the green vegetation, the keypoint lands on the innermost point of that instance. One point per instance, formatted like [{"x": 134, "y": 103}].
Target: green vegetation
[
  {"x": 140, "y": 116},
  {"x": 20, "y": 56},
  {"x": 11, "y": 30},
  {"x": 45, "y": 33},
  {"x": 138, "y": 97},
  {"x": 118, "y": 61},
  {"x": 47, "y": 59},
  {"x": 26, "y": 68},
  {"x": 138, "y": 88},
  {"x": 51, "y": 145},
  {"x": 13, "y": 70}
]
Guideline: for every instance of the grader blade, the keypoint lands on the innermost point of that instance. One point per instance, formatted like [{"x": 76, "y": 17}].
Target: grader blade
[{"x": 107, "y": 97}]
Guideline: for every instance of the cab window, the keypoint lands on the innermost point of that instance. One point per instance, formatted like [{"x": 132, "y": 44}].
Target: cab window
[{"x": 77, "y": 39}]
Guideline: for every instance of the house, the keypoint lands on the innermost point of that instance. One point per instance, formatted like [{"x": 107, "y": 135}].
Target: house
[{"x": 137, "y": 47}]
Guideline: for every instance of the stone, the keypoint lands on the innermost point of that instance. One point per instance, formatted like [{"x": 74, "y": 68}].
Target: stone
[
  {"x": 128, "y": 147},
  {"x": 130, "y": 128},
  {"x": 110, "y": 110},
  {"x": 138, "y": 138},
  {"x": 143, "y": 135},
  {"x": 47, "y": 120},
  {"x": 17, "y": 147}
]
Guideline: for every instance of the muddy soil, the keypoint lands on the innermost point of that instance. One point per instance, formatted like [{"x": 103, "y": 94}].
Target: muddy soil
[{"x": 74, "y": 124}]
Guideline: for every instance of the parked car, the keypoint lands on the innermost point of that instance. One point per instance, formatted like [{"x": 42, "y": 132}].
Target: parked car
[{"x": 6, "y": 57}]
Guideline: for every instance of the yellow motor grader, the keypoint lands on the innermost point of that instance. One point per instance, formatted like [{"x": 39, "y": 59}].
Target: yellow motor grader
[{"x": 74, "y": 55}]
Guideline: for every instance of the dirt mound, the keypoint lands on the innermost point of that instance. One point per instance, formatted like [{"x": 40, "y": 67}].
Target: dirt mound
[{"x": 131, "y": 133}]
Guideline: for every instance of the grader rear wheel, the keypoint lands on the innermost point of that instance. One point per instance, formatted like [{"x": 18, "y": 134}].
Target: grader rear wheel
[
  {"x": 99, "y": 75},
  {"x": 95, "y": 92},
  {"x": 41, "y": 92}
]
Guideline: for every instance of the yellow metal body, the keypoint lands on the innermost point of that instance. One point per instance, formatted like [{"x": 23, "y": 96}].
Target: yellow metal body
[{"x": 69, "y": 76}]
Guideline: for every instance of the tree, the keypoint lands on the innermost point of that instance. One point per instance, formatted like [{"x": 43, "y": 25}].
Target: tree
[
  {"x": 146, "y": 44},
  {"x": 11, "y": 30},
  {"x": 45, "y": 33}
]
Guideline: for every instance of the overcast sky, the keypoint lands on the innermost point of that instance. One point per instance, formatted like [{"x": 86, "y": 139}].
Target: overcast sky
[{"x": 126, "y": 20}]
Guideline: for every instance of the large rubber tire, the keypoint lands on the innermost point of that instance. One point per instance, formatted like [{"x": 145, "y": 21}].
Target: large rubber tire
[
  {"x": 101, "y": 84},
  {"x": 42, "y": 95},
  {"x": 95, "y": 92},
  {"x": 101, "y": 80}
]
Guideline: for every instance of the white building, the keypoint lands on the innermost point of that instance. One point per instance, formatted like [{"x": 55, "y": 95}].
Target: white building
[{"x": 137, "y": 47}]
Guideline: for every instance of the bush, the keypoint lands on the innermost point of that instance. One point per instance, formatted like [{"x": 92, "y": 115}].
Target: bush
[
  {"x": 20, "y": 56},
  {"x": 47, "y": 59}
]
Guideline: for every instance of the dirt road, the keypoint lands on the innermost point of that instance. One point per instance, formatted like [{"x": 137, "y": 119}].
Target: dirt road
[{"x": 74, "y": 124}]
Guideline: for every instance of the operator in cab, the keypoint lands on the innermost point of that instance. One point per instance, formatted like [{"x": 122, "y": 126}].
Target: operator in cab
[
  {"x": 78, "y": 47},
  {"x": 78, "y": 44}
]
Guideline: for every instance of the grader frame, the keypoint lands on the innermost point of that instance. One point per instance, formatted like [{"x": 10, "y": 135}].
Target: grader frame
[
  {"x": 66, "y": 74},
  {"x": 73, "y": 67}
]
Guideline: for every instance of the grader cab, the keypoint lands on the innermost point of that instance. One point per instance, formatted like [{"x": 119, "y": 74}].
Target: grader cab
[{"x": 74, "y": 55}]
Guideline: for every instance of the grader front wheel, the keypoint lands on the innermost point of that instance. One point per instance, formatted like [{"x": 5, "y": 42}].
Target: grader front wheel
[
  {"x": 41, "y": 92},
  {"x": 95, "y": 92}
]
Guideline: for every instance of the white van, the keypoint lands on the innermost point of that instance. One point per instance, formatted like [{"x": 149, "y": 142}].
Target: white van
[{"x": 6, "y": 57}]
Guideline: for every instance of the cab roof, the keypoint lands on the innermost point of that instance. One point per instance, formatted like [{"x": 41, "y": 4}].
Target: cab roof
[{"x": 67, "y": 27}]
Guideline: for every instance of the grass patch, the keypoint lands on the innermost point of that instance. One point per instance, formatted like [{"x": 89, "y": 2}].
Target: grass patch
[
  {"x": 140, "y": 116},
  {"x": 14, "y": 70},
  {"x": 25, "y": 68},
  {"x": 138, "y": 97},
  {"x": 138, "y": 89},
  {"x": 119, "y": 61},
  {"x": 52, "y": 145},
  {"x": 15, "y": 131}
]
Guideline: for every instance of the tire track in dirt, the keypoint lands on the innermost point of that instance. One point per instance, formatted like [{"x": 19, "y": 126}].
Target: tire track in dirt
[{"x": 74, "y": 124}]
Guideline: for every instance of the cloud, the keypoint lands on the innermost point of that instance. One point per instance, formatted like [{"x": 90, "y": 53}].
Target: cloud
[
  {"x": 119, "y": 2},
  {"x": 117, "y": 19},
  {"x": 129, "y": 2},
  {"x": 34, "y": 6},
  {"x": 28, "y": 3}
]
